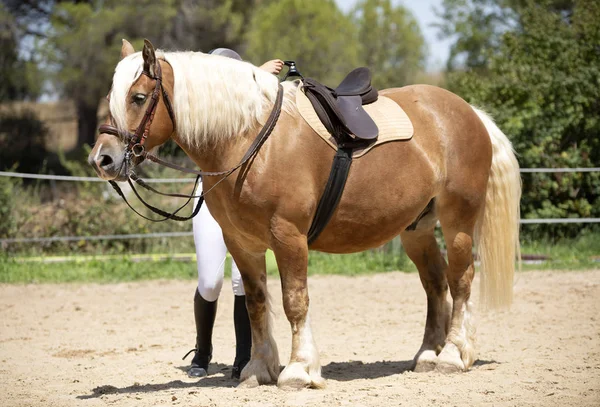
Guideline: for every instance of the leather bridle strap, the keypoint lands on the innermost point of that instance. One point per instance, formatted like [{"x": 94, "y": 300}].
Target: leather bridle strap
[
  {"x": 137, "y": 139},
  {"x": 159, "y": 211},
  {"x": 250, "y": 153},
  {"x": 265, "y": 132}
]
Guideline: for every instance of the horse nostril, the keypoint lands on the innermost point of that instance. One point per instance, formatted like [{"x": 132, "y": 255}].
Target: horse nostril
[{"x": 105, "y": 161}]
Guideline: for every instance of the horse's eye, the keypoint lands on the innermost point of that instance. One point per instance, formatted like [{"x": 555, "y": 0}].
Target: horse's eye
[{"x": 139, "y": 98}]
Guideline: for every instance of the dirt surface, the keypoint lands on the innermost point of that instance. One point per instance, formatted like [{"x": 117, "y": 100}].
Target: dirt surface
[{"x": 121, "y": 344}]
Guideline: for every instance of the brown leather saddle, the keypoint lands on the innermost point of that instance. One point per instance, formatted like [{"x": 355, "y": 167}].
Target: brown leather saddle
[
  {"x": 340, "y": 109},
  {"x": 341, "y": 112}
]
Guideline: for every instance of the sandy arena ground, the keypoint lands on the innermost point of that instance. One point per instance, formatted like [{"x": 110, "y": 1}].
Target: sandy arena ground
[{"x": 121, "y": 344}]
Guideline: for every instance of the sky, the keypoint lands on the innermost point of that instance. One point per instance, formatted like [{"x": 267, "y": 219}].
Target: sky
[{"x": 423, "y": 12}]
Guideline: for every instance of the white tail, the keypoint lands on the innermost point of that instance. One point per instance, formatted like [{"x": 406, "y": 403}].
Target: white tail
[{"x": 498, "y": 226}]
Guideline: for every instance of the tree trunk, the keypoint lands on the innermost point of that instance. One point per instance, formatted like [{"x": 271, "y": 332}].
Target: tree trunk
[{"x": 86, "y": 124}]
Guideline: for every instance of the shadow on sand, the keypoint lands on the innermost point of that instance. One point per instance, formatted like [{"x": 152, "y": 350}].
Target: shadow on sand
[{"x": 339, "y": 371}]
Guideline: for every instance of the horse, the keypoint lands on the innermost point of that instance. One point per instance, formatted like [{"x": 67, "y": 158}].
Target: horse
[{"x": 457, "y": 157}]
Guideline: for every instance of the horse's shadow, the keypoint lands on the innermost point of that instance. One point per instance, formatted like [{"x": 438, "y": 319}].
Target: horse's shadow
[
  {"x": 353, "y": 370},
  {"x": 339, "y": 371},
  {"x": 209, "y": 381}
]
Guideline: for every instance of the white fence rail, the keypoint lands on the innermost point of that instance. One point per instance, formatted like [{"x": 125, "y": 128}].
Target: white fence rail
[
  {"x": 86, "y": 179},
  {"x": 186, "y": 234}
]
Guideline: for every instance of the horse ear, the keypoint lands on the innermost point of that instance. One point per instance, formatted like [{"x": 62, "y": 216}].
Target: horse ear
[
  {"x": 149, "y": 58},
  {"x": 126, "y": 49}
]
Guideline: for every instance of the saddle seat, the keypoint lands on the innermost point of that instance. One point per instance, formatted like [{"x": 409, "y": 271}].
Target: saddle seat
[
  {"x": 358, "y": 83},
  {"x": 340, "y": 109}
]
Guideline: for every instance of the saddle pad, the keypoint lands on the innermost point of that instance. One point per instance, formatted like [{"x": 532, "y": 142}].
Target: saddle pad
[{"x": 392, "y": 121}]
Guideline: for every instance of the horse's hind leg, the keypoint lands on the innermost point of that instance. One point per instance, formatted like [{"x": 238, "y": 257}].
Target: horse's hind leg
[
  {"x": 458, "y": 216},
  {"x": 263, "y": 367},
  {"x": 420, "y": 245}
]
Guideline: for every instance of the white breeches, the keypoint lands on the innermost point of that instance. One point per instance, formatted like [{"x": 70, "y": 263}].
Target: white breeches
[{"x": 211, "y": 253}]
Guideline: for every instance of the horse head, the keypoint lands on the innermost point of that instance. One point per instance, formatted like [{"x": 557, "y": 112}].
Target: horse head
[{"x": 141, "y": 115}]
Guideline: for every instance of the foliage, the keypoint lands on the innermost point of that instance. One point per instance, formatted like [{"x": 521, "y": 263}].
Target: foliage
[
  {"x": 287, "y": 29},
  {"x": 391, "y": 43},
  {"x": 375, "y": 33},
  {"x": 20, "y": 75},
  {"x": 85, "y": 209},
  {"x": 80, "y": 48},
  {"x": 202, "y": 26},
  {"x": 542, "y": 85},
  {"x": 478, "y": 25},
  {"x": 22, "y": 136},
  {"x": 7, "y": 206}
]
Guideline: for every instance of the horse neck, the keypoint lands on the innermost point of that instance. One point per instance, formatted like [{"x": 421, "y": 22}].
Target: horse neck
[{"x": 219, "y": 157}]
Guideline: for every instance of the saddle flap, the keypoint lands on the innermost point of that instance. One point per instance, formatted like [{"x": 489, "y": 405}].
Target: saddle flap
[{"x": 356, "y": 119}]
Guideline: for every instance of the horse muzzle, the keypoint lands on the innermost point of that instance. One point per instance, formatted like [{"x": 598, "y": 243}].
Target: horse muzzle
[{"x": 109, "y": 162}]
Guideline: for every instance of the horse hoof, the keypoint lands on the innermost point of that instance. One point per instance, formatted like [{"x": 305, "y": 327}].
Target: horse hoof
[
  {"x": 449, "y": 360},
  {"x": 256, "y": 373},
  {"x": 425, "y": 361},
  {"x": 295, "y": 377},
  {"x": 449, "y": 368},
  {"x": 249, "y": 383}
]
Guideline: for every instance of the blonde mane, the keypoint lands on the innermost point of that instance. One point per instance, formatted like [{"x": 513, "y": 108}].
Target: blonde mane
[{"x": 215, "y": 98}]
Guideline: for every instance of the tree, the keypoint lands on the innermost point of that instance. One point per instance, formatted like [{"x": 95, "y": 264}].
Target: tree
[
  {"x": 391, "y": 42},
  {"x": 314, "y": 33},
  {"x": 82, "y": 48},
  {"x": 478, "y": 25},
  {"x": 209, "y": 24},
  {"x": 542, "y": 85},
  {"x": 20, "y": 76}
]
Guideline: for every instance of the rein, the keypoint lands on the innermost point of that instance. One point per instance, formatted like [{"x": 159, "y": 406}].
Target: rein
[{"x": 135, "y": 148}]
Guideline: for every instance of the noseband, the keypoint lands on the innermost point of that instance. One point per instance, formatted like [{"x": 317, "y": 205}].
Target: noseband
[{"x": 136, "y": 140}]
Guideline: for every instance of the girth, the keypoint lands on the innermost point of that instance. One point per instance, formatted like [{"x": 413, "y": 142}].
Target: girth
[{"x": 340, "y": 110}]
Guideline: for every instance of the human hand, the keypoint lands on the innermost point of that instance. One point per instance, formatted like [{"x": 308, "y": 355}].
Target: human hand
[{"x": 273, "y": 66}]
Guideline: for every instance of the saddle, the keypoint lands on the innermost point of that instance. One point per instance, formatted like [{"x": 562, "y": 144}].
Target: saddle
[
  {"x": 341, "y": 112},
  {"x": 340, "y": 109}
]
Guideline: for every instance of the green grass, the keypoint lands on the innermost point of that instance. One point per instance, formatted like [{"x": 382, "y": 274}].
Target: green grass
[
  {"x": 104, "y": 271},
  {"x": 579, "y": 254},
  {"x": 109, "y": 269},
  {"x": 575, "y": 254}
]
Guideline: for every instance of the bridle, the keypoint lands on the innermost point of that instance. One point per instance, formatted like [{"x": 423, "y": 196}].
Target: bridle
[
  {"x": 135, "y": 146},
  {"x": 135, "y": 149}
]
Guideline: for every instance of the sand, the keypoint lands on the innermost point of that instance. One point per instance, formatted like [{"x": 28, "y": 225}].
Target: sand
[{"x": 122, "y": 344}]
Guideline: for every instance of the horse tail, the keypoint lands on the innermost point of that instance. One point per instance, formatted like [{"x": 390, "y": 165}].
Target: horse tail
[{"x": 497, "y": 231}]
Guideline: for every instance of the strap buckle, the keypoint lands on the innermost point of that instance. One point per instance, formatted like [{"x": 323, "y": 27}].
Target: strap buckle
[{"x": 138, "y": 150}]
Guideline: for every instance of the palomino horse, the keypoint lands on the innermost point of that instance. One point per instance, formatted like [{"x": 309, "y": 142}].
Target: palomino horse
[{"x": 457, "y": 156}]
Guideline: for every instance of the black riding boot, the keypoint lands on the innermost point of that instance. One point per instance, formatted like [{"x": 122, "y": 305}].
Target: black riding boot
[
  {"x": 243, "y": 336},
  {"x": 204, "y": 313}
]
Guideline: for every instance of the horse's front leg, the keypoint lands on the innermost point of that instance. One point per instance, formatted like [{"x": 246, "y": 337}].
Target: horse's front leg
[
  {"x": 291, "y": 252},
  {"x": 263, "y": 367}
]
